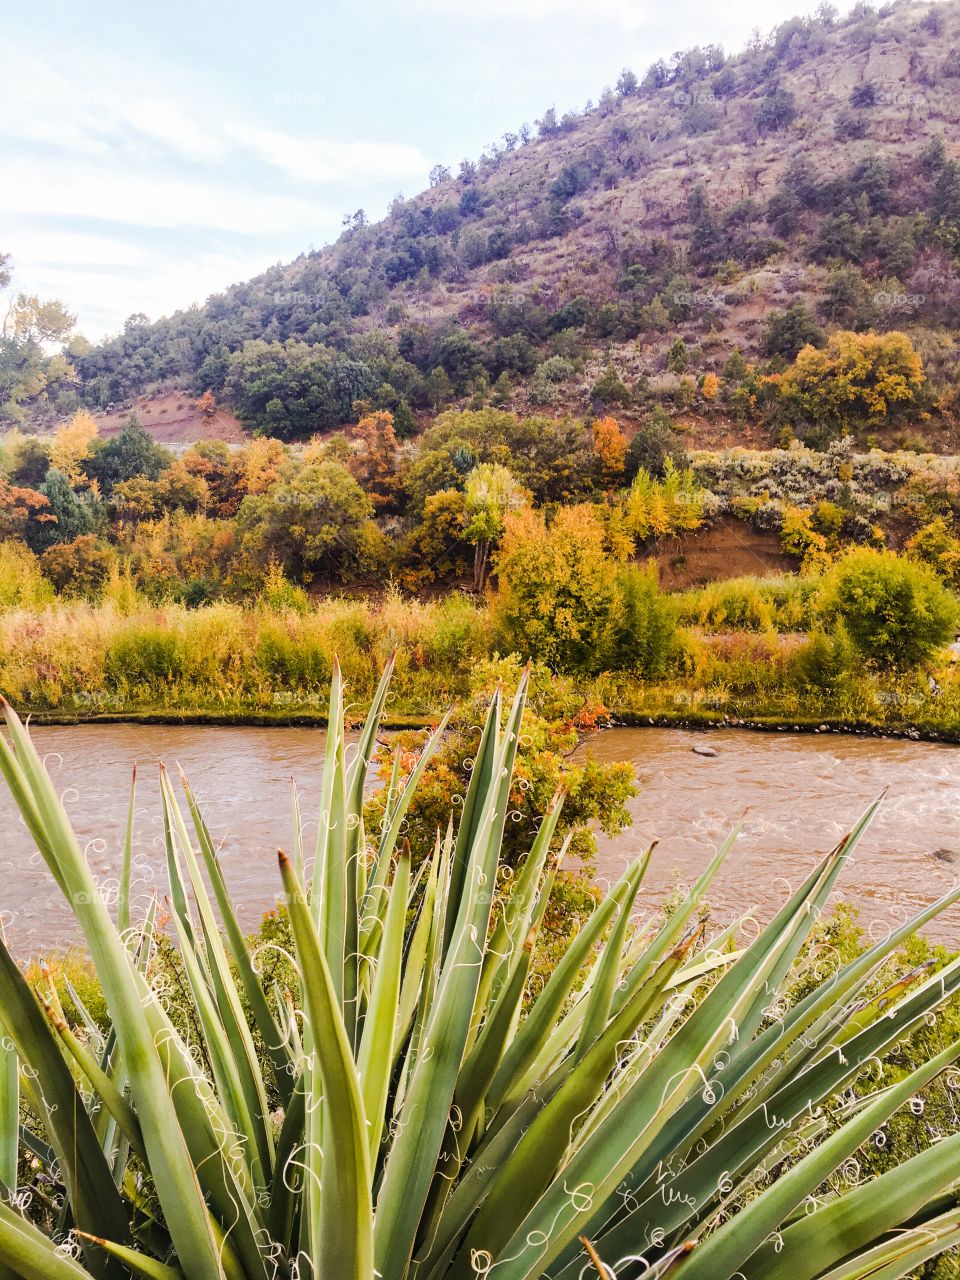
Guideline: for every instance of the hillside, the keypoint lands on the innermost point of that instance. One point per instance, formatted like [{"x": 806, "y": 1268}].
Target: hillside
[{"x": 649, "y": 238}]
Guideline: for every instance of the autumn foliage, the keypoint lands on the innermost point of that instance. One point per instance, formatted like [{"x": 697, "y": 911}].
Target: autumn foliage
[{"x": 610, "y": 446}]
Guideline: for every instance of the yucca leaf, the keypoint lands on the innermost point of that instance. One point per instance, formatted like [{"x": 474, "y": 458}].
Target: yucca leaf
[
  {"x": 630, "y": 1133},
  {"x": 858, "y": 1219},
  {"x": 728, "y": 1249},
  {"x": 411, "y": 1161},
  {"x": 274, "y": 1040},
  {"x": 25, "y": 1252},
  {"x": 686, "y": 1197},
  {"x": 227, "y": 1053},
  {"x": 342, "y": 1232},
  {"x": 904, "y": 1253},
  {"x": 141, "y": 1264},
  {"x": 104, "y": 1088},
  {"x": 170, "y": 1163},
  {"x": 376, "y": 1055},
  {"x": 9, "y": 1107},
  {"x": 126, "y": 862},
  {"x": 83, "y": 1167},
  {"x": 607, "y": 973},
  {"x": 478, "y": 788}
]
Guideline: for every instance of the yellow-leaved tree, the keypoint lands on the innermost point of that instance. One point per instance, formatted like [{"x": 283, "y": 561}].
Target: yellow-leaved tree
[
  {"x": 71, "y": 445},
  {"x": 656, "y": 508},
  {"x": 858, "y": 379}
]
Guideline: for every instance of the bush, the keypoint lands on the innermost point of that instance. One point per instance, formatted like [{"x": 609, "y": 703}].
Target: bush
[
  {"x": 643, "y": 631},
  {"x": 556, "y": 588},
  {"x": 897, "y": 612},
  {"x": 22, "y": 585},
  {"x": 609, "y": 389},
  {"x": 79, "y": 568},
  {"x": 293, "y": 656},
  {"x": 859, "y": 379},
  {"x": 828, "y": 663},
  {"x": 146, "y": 655},
  {"x": 654, "y": 444},
  {"x": 787, "y": 332},
  {"x": 556, "y": 369}
]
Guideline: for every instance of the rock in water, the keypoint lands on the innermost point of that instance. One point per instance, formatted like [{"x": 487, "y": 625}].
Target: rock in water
[
  {"x": 702, "y": 750},
  {"x": 946, "y": 855}
]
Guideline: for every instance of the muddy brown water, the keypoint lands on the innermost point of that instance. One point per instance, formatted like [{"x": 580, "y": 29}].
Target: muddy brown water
[{"x": 801, "y": 793}]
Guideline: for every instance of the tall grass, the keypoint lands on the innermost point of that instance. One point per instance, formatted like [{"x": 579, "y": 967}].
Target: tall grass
[
  {"x": 750, "y": 604},
  {"x": 88, "y": 658}
]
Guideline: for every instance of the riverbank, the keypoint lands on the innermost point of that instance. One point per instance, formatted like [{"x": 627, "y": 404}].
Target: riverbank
[
  {"x": 316, "y": 717},
  {"x": 76, "y": 663}
]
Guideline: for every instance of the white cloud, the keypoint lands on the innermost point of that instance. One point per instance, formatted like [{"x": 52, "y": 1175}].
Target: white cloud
[
  {"x": 158, "y": 287},
  {"x": 323, "y": 160},
  {"x": 44, "y": 248},
  {"x": 158, "y": 151},
  {"x": 88, "y": 189}
]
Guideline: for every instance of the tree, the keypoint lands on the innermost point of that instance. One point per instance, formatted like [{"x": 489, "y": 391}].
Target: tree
[
  {"x": 610, "y": 447},
  {"x": 440, "y": 173},
  {"x": 656, "y": 508},
  {"x": 557, "y": 588},
  {"x": 777, "y": 109},
  {"x": 439, "y": 388},
  {"x": 404, "y": 423},
  {"x": 437, "y": 546},
  {"x": 260, "y": 463},
  {"x": 937, "y": 545},
  {"x": 207, "y": 407},
  {"x": 29, "y": 373},
  {"x": 490, "y": 494},
  {"x": 858, "y": 379},
  {"x": 131, "y": 453},
  {"x": 609, "y": 389},
  {"x": 787, "y": 332},
  {"x": 677, "y": 356},
  {"x": 627, "y": 83},
  {"x": 314, "y": 521},
  {"x": 71, "y": 515},
  {"x": 656, "y": 441},
  {"x": 18, "y": 507},
  {"x": 292, "y": 389},
  {"x": 222, "y": 471},
  {"x": 31, "y": 462},
  {"x": 644, "y": 630},
  {"x": 897, "y": 612},
  {"x": 71, "y": 445},
  {"x": 373, "y": 461},
  {"x": 78, "y": 568}
]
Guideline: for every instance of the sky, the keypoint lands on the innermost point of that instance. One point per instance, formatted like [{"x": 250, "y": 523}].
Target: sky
[{"x": 154, "y": 154}]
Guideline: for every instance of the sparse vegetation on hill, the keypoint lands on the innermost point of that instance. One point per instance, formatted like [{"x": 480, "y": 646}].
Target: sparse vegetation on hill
[{"x": 680, "y": 242}]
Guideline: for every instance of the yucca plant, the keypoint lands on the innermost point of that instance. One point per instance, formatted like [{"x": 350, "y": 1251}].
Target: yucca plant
[{"x": 413, "y": 1108}]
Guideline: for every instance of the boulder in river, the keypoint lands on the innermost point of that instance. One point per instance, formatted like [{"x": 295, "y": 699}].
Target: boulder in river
[
  {"x": 946, "y": 855},
  {"x": 703, "y": 750}
]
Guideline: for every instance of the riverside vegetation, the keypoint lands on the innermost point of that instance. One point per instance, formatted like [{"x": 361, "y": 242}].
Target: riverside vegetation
[
  {"x": 399, "y": 1097},
  {"x": 222, "y": 582}
]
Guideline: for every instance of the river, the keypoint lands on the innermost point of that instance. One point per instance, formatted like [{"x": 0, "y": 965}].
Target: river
[{"x": 801, "y": 792}]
